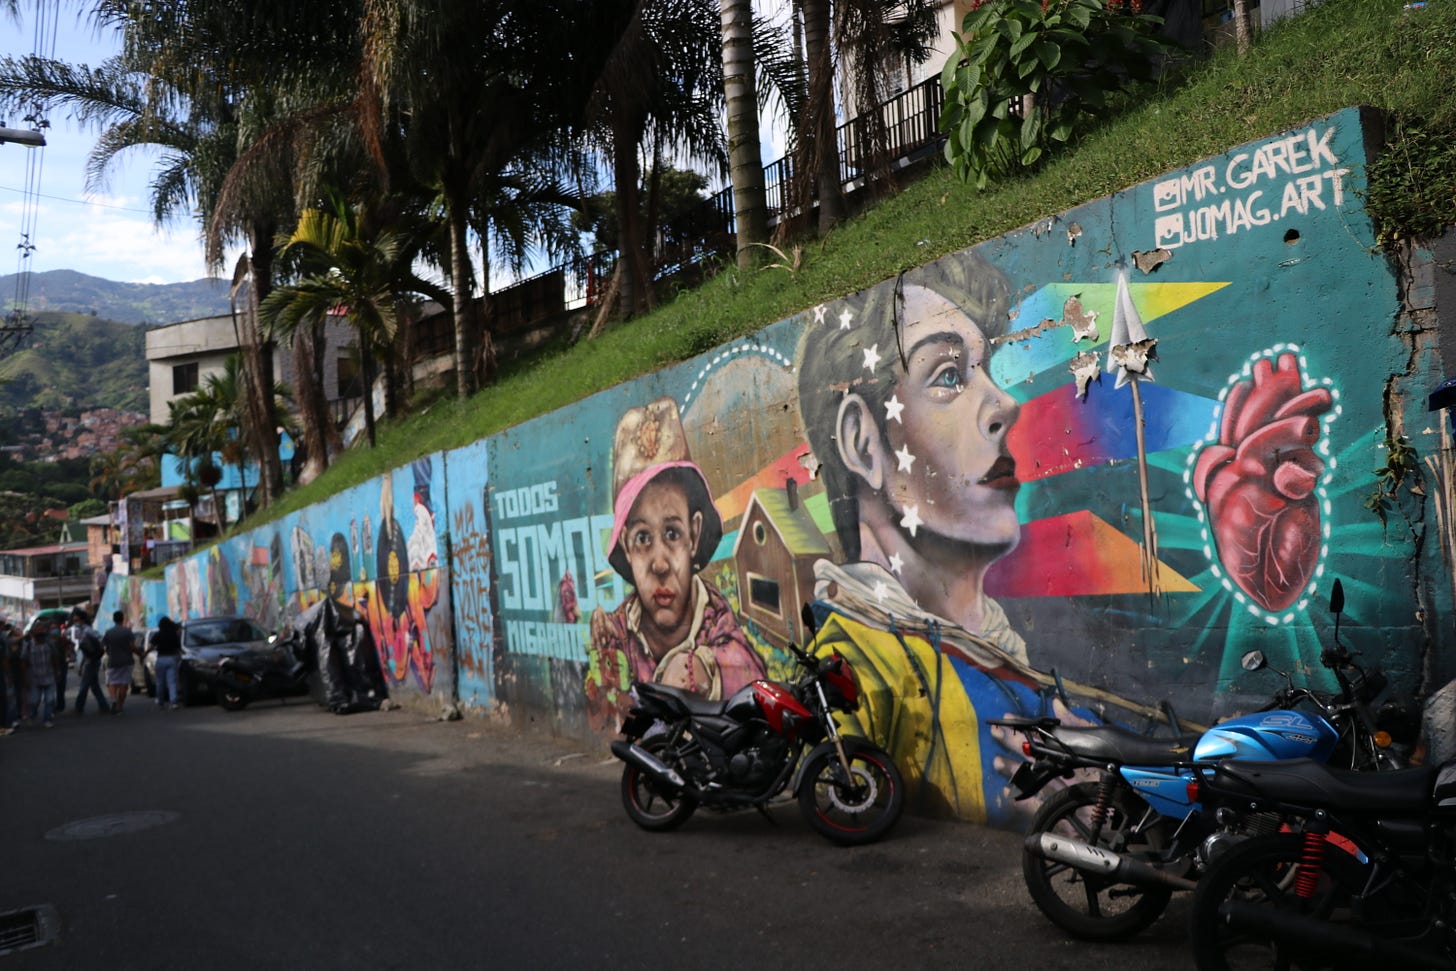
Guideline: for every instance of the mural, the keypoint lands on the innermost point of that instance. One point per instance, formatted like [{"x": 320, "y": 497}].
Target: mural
[
  {"x": 1078, "y": 469},
  {"x": 383, "y": 564}
]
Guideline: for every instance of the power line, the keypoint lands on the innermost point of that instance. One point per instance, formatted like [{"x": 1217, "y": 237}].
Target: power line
[{"x": 75, "y": 202}]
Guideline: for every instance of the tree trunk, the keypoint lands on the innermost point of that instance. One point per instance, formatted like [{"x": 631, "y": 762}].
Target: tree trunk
[
  {"x": 460, "y": 280},
  {"x": 317, "y": 422},
  {"x": 819, "y": 129},
  {"x": 750, "y": 206},
  {"x": 626, "y": 175},
  {"x": 369, "y": 378},
  {"x": 260, "y": 431},
  {"x": 1241, "y": 27}
]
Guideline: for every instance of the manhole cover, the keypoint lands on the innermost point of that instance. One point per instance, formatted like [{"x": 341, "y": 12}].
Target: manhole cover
[{"x": 116, "y": 824}]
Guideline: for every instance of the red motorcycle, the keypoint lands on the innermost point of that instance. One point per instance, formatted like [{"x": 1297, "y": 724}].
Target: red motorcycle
[{"x": 682, "y": 751}]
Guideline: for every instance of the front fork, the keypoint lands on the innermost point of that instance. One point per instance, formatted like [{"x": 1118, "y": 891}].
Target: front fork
[{"x": 833, "y": 731}]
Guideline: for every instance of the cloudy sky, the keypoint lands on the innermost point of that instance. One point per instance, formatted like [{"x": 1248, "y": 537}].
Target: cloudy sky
[{"x": 109, "y": 234}]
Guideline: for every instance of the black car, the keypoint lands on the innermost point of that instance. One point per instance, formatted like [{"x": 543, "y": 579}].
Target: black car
[{"x": 206, "y": 641}]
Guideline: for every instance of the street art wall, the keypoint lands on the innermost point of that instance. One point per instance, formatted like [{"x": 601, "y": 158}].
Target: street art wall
[
  {"x": 374, "y": 549},
  {"x": 1078, "y": 469}
]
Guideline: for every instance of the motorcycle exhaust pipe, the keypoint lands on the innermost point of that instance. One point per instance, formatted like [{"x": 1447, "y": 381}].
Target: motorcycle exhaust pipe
[
  {"x": 1105, "y": 863},
  {"x": 1318, "y": 938},
  {"x": 659, "y": 770}
]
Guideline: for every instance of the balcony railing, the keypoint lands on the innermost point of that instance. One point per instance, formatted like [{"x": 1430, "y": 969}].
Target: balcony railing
[{"x": 910, "y": 121}]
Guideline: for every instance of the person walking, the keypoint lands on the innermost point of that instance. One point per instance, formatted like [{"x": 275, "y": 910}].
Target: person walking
[
  {"x": 87, "y": 646},
  {"x": 167, "y": 642},
  {"x": 60, "y": 646},
  {"x": 120, "y": 655},
  {"x": 5, "y": 706},
  {"x": 39, "y": 660}
]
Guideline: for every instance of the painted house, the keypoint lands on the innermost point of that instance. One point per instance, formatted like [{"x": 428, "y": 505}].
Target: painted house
[{"x": 778, "y": 544}]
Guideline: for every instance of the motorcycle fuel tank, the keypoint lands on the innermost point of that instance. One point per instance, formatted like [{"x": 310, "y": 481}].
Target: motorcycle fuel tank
[
  {"x": 781, "y": 709},
  {"x": 1279, "y": 734}
]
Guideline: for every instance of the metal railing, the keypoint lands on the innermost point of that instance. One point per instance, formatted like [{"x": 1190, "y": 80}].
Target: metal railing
[{"x": 910, "y": 121}]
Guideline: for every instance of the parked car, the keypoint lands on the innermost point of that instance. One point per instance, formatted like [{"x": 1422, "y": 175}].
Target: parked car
[
  {"x": 141, "y": 671},
  {"x": 205, "y": 642}
]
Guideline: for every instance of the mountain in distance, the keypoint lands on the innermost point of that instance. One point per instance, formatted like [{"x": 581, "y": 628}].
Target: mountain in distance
[
  {"x": 67, "y": 291},
  {"x": 71, "y": 362}
]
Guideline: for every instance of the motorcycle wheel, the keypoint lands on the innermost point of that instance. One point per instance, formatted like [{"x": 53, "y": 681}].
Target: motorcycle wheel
[
  {"x": 1262, "y": 871},
  {"x": 649, "y": 806},
  {"x": 231, "y": 699},
  {"x": 858, "y": 810},
  {"x": 1085, "y": 904}
]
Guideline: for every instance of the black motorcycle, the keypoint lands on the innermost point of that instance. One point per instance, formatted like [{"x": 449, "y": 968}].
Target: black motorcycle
[
  {"x": 1368, "y": 880},
  {"x": 281, "y": 671},
  {"x": 682, "y": 751}
]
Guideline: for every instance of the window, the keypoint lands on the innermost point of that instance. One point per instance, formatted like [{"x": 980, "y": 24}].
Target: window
[
  {"x": 184, "y": 378},
  {"x": 351, "y": 385},
  {"x": 763, "y": 593}
]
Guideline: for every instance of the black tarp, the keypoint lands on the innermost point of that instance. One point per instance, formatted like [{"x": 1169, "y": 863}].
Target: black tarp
[{"x": 349, "y": 677}]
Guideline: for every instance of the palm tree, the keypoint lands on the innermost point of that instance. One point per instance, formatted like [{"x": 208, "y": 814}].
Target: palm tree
[
  {"x": 473, "y": 86},
  {"x": 352, "y": 263},
  {"x": 662, "y": 79},
  {"x": 745, "y": 164}
]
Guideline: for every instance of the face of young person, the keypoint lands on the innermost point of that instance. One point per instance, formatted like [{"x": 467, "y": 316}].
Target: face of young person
[
  {"x": 951, "y": 432},
  {"x": 659, "y": 539}
]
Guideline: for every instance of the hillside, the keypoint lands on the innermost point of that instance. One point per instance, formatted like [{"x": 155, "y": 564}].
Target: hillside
[
  {"x": 66, "y": 291},
  {"x": 73, "y": 362}
]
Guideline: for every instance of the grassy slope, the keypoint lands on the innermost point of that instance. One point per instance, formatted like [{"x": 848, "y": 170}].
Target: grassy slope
[{"x": 1342, "y": 53}]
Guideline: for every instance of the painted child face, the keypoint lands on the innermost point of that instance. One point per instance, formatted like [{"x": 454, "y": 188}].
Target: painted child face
[
  {"x": 659, "y": 539},
  {"x": 950, "y": 458}
]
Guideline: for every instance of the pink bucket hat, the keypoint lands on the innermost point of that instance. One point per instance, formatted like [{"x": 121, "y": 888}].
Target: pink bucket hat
[{"x": 650, "y": 442}]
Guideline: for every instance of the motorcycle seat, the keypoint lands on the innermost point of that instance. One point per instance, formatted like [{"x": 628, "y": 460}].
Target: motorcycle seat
[
  {"x": 694, "y": 703},
  {"x": 1110, "y": 743},
  {"x": 1305, "y": 782}
]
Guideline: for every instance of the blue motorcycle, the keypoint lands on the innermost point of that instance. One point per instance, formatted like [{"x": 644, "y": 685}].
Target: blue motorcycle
[{"x": 1105, "y": 853}]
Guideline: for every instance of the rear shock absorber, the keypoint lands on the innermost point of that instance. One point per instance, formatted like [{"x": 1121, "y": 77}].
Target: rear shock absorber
[
  {"x": 1311, "y": 859},
  {"x": 1106, "y": 786}
]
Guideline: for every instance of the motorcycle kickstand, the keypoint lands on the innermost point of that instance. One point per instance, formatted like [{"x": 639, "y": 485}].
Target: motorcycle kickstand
[{"x": 764, "y": 813}]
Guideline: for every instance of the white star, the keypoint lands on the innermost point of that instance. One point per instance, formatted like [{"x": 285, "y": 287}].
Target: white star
[
  {"x": 872, "y": 357},
  {"x": 893, "y": 407},
  {"x": 819, "y": 313},
  {"x": 906, "y": 459},
  {"x": 897, "y": 565},
  {"x": 879, "y": 591},
  {"x": 845, "y": 318},
  {"x": 911, "y": 521}
]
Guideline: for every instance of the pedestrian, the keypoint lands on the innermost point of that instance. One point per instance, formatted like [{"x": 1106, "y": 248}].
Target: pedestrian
[
  {"x": 120, "y": 655},
  {"x": 167, "y": 642},
  {"x": 19, "y": 689},
  {"x": 5, "y": 706},
  {"x": 39, "y": 658},
  {"x": 86, "y": 644},
  {"x": 60, "y": 646}
]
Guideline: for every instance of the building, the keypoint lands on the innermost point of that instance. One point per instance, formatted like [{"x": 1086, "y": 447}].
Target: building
[
  {"x": 37, "y": 577},
  {"x": 181, "y": 357}
]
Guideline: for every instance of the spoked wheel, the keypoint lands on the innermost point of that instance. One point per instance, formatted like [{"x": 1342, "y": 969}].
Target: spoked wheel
[
  {"x": 649, "y": 805},
  {"x": 231, "y": 698},
  {"x": 1086, "y": 904},
  {"x": 856, "y": 810},
  {"x": 1257, "y": 881}
]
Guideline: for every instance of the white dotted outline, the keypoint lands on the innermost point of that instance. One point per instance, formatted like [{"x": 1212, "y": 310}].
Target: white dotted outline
[
  {"x": 747, "y": 347},
  {"x": 1326, "y": 420}
]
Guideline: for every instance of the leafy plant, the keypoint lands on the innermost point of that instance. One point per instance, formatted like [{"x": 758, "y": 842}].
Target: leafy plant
[
  {"x": 1400, "y": 462},
  {"x": 1026, "y": 72}
]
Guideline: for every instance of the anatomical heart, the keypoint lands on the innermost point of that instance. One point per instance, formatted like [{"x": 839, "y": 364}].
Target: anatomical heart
[{"x": 1258, "y": 482}]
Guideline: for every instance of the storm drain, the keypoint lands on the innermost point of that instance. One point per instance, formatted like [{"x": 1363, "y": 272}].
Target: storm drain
[{"x": 23, "y": 929}]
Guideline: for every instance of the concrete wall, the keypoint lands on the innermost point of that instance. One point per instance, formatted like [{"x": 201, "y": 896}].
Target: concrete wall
[{"x": 990, "y": 496}]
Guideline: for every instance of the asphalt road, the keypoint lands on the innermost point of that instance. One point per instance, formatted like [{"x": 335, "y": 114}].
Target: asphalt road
[{"x": 284, "y": 836}]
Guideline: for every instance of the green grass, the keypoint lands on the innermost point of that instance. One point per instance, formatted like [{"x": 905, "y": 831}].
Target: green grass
[{"x": 1341, "y": 53}]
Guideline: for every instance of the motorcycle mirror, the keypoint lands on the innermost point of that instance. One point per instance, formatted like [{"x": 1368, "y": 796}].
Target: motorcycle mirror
[
  {"x": 807, "y": 616},
  {"x": 1337, "y": 597},
  {"x": 1254, "y": 661}
]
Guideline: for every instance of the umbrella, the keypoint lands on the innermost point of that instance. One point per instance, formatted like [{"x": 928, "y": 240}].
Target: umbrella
[{"x": 61, "y": 614}]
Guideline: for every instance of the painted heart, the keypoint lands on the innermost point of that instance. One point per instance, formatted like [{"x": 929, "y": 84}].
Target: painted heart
[{"x": 1257, "y": 482}]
